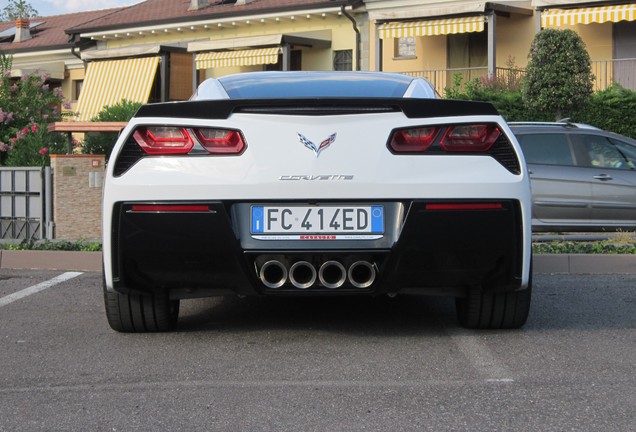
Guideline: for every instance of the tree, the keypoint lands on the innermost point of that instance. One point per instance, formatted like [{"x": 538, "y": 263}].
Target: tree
[
  {"x": 27, "y": 105},
  {"x": 559, "y": 77},
  {"x": 17, "y": 9},
  {"x": 102, "y": 142}
]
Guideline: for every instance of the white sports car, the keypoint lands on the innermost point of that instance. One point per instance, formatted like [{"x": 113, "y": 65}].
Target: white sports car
[{"x": 313, "y": 184}]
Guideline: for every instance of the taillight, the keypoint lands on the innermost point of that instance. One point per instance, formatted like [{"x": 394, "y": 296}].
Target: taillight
[
  {"x": 464, "y": 138},
  {"x": 170, "y": 140},
  {"x": 413, "y": 140},
  {"x": 220, "y": 140},
  {"x": 157, "y": 140},
  {"x": 470, "y": 138}
]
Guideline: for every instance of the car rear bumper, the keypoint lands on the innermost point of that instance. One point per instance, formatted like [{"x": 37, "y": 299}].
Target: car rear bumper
[{"x": 427, "y": 249}]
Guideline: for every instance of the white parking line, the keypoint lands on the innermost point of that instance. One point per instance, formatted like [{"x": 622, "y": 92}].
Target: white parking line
[
  {"x": 485, "y": 363},
  {"x": 37, "y": 288}
]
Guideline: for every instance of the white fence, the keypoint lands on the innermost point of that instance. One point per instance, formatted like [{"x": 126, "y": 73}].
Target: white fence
[{"x": 26, "y": 203}]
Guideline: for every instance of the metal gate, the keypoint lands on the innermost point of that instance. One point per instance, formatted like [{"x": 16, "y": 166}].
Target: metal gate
[{"x": 26, "y": 202}]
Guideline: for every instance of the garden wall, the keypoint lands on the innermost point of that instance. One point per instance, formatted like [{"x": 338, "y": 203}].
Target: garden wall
[{"x": 77, "y": 196}]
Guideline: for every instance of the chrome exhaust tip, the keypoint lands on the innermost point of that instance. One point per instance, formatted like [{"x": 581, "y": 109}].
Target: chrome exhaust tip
[
  {"x": 273, "y": 274},
  {"x": 361, "y": 274},
  {"x": 302, "y": 275},
  {"x": 332, "y": 274}
]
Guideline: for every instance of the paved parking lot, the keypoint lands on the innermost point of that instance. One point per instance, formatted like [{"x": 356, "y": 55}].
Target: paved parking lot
[{"x": 317, "y": 364}]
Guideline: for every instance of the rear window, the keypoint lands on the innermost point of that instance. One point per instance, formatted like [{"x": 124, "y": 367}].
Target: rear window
[
  {"x": 314, "y": 84},
  {"x": 546, "y": 149}
]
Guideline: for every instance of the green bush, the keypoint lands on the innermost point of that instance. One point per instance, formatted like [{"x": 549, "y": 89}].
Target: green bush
[
  {"x": 56, "y": 245},
  {"x": 558, "y": 79},
  {"x": 569, "y": 247},
  {"x": 611, "y": 109},
  {"x": 102, "y": 142},
  {"x": 504, "y": 96}
]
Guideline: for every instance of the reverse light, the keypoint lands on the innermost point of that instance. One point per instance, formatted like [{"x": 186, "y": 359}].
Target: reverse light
[
  {"x": 220, "y": 140},
  {"x": 470, "y": 138},
  {"x": 415, "y": 140},
  {"x": 162, "y": 140}
]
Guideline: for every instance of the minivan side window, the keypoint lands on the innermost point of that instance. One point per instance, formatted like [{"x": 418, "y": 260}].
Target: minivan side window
[
  {"x": 546, "y": 149},
  {"x": 604, "y": 154},
  {"x": 628, "y": 150}
]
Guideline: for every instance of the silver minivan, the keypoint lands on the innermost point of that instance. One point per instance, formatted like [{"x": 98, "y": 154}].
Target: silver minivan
[{"x": 583, "y": 178}]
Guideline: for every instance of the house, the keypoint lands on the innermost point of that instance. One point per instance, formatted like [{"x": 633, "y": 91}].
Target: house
[
  {"x": 159, "y": 50},
  {"x": 439, "y": 39},
  {"x": 40, "y": 44},
  {"x": 442, "y": 39},
  {"x": 608, "y": 29}
]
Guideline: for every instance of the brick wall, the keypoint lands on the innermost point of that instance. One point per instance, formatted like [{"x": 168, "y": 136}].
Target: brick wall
[{"x": 77, "y": 196}]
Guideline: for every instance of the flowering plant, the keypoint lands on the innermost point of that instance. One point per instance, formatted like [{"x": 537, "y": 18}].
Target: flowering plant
[{"x": 27, "y": 104}]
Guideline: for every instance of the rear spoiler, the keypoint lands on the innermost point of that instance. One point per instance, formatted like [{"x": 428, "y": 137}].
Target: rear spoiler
[{"x": 224, "y": 108}]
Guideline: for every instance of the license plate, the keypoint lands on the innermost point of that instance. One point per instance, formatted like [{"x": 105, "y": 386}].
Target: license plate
[{"x": 317, "y": 222}]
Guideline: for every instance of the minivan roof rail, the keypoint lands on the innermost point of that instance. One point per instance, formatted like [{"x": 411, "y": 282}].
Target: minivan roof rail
[{"x": 566, "y": 122}]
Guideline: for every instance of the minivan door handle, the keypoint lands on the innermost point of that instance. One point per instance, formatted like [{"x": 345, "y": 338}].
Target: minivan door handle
[{"x": 603, "y": 177}]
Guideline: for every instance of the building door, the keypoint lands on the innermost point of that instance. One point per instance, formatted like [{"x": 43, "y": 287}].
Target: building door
[
  {"x": 467, "y": 55},
  {"x": 625, "y": 54}
]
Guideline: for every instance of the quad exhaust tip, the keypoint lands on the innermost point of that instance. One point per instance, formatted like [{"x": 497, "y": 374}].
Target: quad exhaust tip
[
  {"x": 361, "y": 274},
  {"x": 302, "y": 275},
  {"x": 331, "y": 274},
  {"x": 273, "y": 274}
]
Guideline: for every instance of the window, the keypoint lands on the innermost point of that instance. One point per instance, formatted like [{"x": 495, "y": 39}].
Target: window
[
  {"x": 547, "y": 149},
  {"x": 343, "y": 60},
  {"x": 77, "y": 89},
  {"x": 405, "y": 47},
  {"x": 604, "y": 154},
  {"x": 295, "y": 62}
]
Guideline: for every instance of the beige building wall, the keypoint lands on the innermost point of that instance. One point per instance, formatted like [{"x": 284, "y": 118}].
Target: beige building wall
[
  {"x": 342, "y": 38},
  {"x": 514, "y": 39}
]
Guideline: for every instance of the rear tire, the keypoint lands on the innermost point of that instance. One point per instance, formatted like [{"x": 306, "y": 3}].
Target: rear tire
[
  {"x": 136, "y": 313},
  {"x": 494, "y": 310}
]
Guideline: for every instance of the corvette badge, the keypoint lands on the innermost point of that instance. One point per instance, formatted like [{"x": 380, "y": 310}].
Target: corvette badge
[{"x": 313, "y": 147}]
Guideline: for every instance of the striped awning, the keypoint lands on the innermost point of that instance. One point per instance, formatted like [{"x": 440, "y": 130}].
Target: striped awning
[
  {"x": 248, "y": 57},
  {"x": 601, "y": 14},
  {"x": 431, "y": 27},
  {"x": 108, "y": 82}
]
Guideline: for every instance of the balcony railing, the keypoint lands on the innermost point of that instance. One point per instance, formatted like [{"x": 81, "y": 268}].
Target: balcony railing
[
  {"x": 620, "y": 71},
  {"x": 606, "y": 72},
  {"x": 446, "y": 78}
]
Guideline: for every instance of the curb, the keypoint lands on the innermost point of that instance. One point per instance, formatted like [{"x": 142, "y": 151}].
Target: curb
[
  {"x": 92, "y": 262},
  {"x": 51, "y": 260},
  {"x": 584, "y": 263}
]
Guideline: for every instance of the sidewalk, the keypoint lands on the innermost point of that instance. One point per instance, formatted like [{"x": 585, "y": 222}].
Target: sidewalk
[{"x": 92, "y": 262}]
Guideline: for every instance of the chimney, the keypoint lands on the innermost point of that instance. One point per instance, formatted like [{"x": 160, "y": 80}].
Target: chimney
[
  {"x": 198, "y": 4},
  {"x": 22, "y": 30}
]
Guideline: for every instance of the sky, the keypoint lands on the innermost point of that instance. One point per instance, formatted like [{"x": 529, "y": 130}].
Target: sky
[{"x": 58, "y": 7}]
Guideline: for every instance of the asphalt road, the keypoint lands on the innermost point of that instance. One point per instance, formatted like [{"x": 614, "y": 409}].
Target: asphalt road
[{"x": 317, "y": 364}]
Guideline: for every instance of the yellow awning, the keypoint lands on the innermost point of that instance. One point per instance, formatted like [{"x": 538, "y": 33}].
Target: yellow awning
[
  {"x": 251, "y": 57},
  {"x": 108, "y": 82},
  {"x": 601, "y": 14},
  {"x": 431, "y": 27}
]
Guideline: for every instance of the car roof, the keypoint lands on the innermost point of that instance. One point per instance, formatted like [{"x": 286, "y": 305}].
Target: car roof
[
  {"x": 314, "y": 84},
  {"x": 522, "y": 128},
  {"x": 561, "y": 124}
]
